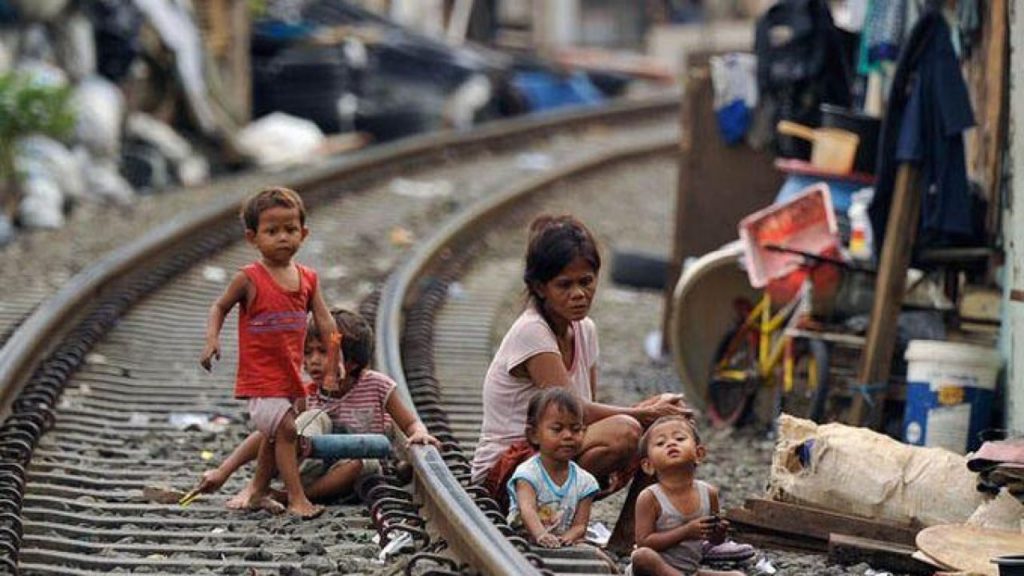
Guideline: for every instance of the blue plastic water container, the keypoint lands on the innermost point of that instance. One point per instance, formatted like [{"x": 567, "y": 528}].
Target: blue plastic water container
[
  {"x": 949, "y": 393},
  {"x": 350, "y": 446}
]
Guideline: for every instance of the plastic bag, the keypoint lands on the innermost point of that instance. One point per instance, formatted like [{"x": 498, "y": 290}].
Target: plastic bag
[
  {"x": 43, "y": 157},
  {"x": 42, "y": 204},
  {"x": 99, "y": 108}
]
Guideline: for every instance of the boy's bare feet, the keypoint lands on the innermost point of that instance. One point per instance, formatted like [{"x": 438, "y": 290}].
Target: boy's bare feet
[
  {"x": 306, "y": 510},
  {"x": 263, "y": 502},
  {"x": 241, "y": 500}
]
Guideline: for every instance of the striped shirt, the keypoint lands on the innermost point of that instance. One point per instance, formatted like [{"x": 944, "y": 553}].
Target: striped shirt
[{"x": 361, "y": 410}]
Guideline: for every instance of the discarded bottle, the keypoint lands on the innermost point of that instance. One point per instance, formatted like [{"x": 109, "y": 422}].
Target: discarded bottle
[{"x": 350, "y": 446}]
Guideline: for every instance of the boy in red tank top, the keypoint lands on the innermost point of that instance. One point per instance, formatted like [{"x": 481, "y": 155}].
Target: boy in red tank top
[{"x": 274, "y": 295}]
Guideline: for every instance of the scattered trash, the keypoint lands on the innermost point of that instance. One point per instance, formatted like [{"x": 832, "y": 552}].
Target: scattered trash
[
  {"x": 467, "y": 100},
  {"x": 456, "y": 291},
  {"x": 422, "y": 190},
  {"x": 105, "y": 183},
  {"x": 215, "y": 274},
  {"x": 39, "y": 10},
  {"x": 395, "y": 545},
  {"x": 180, "y": 34},
  {"x": 42, "y": 204},
  {"x": 652, "y": 345},
  {"x": 189, "y": 168},
  {"x": 6, "y": 229},
  {"x": 206, "y": 455},
  {"x": 335, "y": 272},
  {"x": 764, "y": 566},
  {"x": 534, "y": 161},
  {"x": 218, "y": 530},
  {"x": 74, "y": 45},
  {"x": 95, "y": 358},
  {"x": 161, "y": 494},
  {"x": 400, "y": 236},
  {"x": 279, "y": 139},
  {"x": 138, "y": 419},
  {"x": 197, "y": 421},
  {"x": 99, "y": 109},
  {"x": 598, "y": 533},
  {"x": 870, "y": 572},
  {"x": 43, "y": 157}
]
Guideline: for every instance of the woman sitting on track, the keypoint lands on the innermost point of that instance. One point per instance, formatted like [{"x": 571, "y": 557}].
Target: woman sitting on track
[{"x": 554, "y": 343}]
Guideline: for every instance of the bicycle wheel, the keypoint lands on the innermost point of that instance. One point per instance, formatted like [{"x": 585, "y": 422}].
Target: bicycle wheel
[
  {"x": 808, "y": 397},
  {"x": 733, "y": 379}
]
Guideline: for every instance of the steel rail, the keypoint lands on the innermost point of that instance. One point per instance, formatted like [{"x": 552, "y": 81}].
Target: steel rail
[{"x": 478, "y": 540}]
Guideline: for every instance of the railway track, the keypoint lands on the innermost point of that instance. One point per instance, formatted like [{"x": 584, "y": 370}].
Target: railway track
[
  {"x": 101, "y": 397},
  {"x": 442, "y": 346}
]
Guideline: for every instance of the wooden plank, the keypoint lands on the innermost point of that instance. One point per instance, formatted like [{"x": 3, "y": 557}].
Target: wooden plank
[
  {"x": 846, "y": 549},
  {"x": 817, "y": 523},
  {"x": 987, "y": 73},
  {"x": 778, "y": 540},
  {"x": 901, "y": 228}
]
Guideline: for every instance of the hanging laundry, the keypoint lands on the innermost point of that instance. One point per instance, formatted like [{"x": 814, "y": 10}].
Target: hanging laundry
[
  {"x": 882, "y": 34},
  {"x": 929, "y": 109},
  {"x": 734, "y": 78}
]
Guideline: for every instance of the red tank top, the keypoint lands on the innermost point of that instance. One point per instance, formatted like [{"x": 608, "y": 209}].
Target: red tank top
[{"x": 272, "y": 335}]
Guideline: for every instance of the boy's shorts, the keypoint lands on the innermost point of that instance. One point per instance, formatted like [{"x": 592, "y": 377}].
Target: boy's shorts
[
  {"x": 266, "y": 414},
  {"x": 314, "y": 423}
]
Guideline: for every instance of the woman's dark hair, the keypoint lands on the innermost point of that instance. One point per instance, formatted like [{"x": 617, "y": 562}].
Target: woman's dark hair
[
  {"x": 357, "y": 338},
  {"x": 555, "y": 241},
  {"x": 560, "y": 397}
]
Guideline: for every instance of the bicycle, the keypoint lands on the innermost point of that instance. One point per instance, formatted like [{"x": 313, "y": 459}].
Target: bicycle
[{"x": 762, "y": 350}]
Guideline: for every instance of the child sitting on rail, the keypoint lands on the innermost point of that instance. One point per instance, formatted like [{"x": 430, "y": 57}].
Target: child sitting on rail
[
  {"x": 549, "y": 494},
  {"x": 364, "y": 403},
  {"x": 676, "y": 514},
  {"x": 274, "y": 295}
]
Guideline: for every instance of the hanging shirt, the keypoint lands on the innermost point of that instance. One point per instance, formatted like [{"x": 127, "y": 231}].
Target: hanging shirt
[
  {"x": 927, "y": 112},
  {"x": 931, "y": 134}
]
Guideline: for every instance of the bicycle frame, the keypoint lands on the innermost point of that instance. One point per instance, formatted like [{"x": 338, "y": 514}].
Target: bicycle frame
[{"x": 770, "y": 346}]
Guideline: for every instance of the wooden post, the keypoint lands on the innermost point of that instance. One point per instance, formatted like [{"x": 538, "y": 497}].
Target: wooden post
[{"x": 901, "y": 228}]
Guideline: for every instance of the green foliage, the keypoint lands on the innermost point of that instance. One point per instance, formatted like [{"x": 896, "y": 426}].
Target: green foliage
[{"x": 29, "y": 108}]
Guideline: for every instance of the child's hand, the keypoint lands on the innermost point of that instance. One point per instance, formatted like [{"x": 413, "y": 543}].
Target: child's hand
[
  {"x": 549, "y": 540},
  {"x": 422, "y": 437},
  {"x": 211, "y": 351},
  {"x": 701, "y": 528},
  {"x": 720, "y": 532}
]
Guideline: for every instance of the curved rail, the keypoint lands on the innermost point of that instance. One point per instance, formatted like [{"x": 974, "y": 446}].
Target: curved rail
[
  {"x": 54, "y": 319},
  {"x": 487, "y": 549}
]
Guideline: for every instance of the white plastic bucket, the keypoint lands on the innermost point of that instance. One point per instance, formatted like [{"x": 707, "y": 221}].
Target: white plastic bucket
[{"x": 949, "y": 393}]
